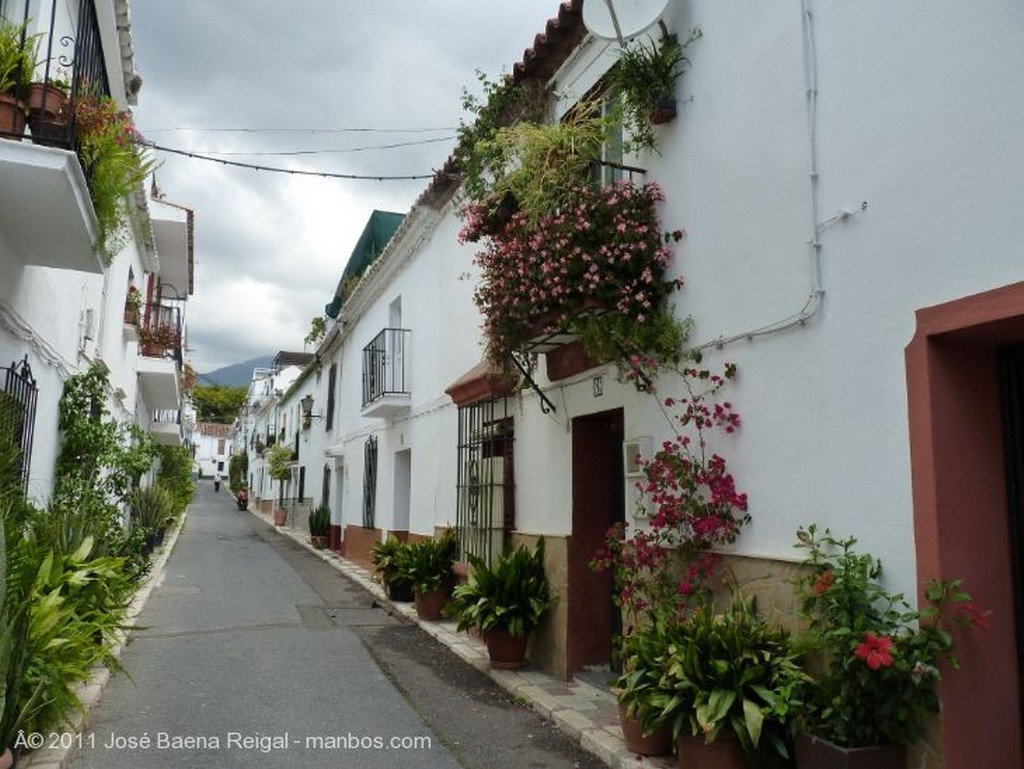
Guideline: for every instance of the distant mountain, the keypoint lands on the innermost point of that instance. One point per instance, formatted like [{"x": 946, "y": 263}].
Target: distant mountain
[{"x": 237, "y": 374}]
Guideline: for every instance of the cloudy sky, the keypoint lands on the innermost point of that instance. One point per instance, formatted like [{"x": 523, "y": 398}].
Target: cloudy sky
[{"x": 295, "y": 78}]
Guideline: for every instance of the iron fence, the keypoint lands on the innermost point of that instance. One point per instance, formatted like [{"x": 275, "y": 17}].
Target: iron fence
[{"x": 18, "y": 415}]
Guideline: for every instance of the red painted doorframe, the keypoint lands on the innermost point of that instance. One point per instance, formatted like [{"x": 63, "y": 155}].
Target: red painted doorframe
[
  {"x": 597, "y": 503},
  {"x": 960, "y": 510}
]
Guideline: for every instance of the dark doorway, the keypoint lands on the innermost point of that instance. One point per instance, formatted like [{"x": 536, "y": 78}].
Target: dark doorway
[
  {"x": 1011, "y": 367},
  {"x": 597, "y": 503}
]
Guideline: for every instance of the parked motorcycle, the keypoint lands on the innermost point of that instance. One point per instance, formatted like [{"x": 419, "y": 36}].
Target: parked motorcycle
[{"x": 242, "y": 498}]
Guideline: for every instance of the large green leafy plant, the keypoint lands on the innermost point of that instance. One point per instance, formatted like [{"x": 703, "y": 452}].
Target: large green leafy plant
[
  {"x": 428, "y": 565},
  {"x": 512, "y": 595},
  {"x": 731, "y": 672}
]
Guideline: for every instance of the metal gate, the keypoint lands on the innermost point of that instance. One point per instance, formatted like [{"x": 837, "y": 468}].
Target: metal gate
[
  {"x": 369, "y": 481},
  {"x": 18, "y": 414}
]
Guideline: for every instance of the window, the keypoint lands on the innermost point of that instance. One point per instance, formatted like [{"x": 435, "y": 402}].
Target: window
[
  {"x": 486, "y": 479},
  {"x": 369, "y": 481},
  {"x": 220, "y": 446},
  {"x": 18, "y": 415},
  {"x": 609, "y": 169},
  {"x": 332, "y": 381},
  {"x": 220, "y": 467},
  {"x": 325, "y": 488}
]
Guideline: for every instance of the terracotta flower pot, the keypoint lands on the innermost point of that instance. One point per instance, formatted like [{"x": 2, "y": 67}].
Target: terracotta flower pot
[
  {"x": 7, "y": 759},
  {"x": 12, "y": 116},
  {"x": 46, "y": 99},
  {"x": 280, "y": 516},
  {"x": 429, "y": 605},
  {"x": 724, "y": 753},
  {"x": 817, "y": 753},
  {"x": 319, "y": 543},
  {"x": 657, "y": 743},
  {"x": 505, "y": 651}
]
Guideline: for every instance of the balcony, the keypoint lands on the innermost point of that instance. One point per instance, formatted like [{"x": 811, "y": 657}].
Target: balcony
[
  {"x": 166, "y": 427},
  {"x": 160, "y": 358},
  {"x": 385, "y": 380},
  {"x": 45, "y": 210}
]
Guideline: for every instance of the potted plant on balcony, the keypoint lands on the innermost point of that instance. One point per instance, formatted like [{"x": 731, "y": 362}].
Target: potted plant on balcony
[
  {"x": 504, "y": 602},
  {"x": 110, "y": 151},
  {"x": 157, "y": 339},
  {"x": 645, "y": 79},
  {"x": 389, "y": 559},
  {"x": 596, "y": 267},
  {"x": 876, "y": 660},
  {"x": 429, "y": 568},
  {"x": 17, "y": 56},
  {"x": 47, "y": 105},
  {"x": 319, "y": 526}
]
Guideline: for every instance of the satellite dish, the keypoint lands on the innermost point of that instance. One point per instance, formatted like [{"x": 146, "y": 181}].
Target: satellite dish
[{"x": 621, "y": 19}]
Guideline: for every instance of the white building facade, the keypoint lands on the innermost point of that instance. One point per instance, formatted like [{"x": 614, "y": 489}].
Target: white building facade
[
  {"x": 63, "y": 306},
  {"x": 851, "y": 190}
]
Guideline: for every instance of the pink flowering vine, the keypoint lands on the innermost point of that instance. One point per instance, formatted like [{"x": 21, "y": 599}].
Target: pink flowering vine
[
  {"x": 694, "y": 506},
  {"x": 605, "y": 251}
]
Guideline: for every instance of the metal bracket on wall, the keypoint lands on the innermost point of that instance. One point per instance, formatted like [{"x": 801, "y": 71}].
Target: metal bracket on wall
[{"x": 546, "y": 406}]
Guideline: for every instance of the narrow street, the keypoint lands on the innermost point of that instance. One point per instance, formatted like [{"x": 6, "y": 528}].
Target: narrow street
[{"x": 253, "y": 651}]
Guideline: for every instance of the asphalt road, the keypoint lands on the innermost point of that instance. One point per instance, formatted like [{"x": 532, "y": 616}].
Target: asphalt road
[{"x": 256, "y": 653}]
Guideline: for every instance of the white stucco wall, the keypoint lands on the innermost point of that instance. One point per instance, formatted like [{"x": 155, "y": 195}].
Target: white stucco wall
[{"x": 918, "y": 115}]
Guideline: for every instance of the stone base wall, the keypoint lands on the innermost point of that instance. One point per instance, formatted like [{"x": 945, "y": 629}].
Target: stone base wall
[{"x": 548, "y": 647}]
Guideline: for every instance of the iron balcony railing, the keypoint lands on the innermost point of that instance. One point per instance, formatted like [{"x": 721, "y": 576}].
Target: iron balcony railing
[
  {"x": 69, "y": 52},
  {"x": 161, "y": 334},
  {"x": 384, "y": 371}
]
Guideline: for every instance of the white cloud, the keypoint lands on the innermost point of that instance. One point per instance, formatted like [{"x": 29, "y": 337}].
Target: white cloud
[{"x": 271, "y": 247}]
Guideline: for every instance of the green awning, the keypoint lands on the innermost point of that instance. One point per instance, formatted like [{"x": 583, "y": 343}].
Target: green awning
[{"x": 377, "y": 233}]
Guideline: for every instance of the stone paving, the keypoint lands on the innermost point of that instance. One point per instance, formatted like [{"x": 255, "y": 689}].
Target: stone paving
[{"x": 584, "y": 712}]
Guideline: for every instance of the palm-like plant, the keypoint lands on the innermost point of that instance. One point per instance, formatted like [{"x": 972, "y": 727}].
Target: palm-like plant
[{"x": 512, "y": 595}]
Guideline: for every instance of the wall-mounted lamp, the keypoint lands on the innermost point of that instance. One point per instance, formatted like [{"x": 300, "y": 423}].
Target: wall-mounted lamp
[{"x": 307, "y": 412}]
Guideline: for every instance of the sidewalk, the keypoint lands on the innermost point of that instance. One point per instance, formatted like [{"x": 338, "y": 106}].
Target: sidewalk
[
  {"x": 586, "y": 713},
  {"x": 89, "y": 692}
]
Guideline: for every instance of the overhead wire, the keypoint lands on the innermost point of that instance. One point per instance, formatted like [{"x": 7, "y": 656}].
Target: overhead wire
[{"x": 274, "y": 169}]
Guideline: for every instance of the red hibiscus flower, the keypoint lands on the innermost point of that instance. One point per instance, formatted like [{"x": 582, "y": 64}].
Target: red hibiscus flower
[{"x": 876, "y": 651}]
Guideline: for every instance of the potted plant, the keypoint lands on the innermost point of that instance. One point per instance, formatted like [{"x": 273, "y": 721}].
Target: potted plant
[
  {"x": 151, "y": 509},
  {"x": 645, "y": 79},
  {"x": 47, "y": 104},
  {"x": 279, "y": 466},
  {"x": 429, "y": 568},
  {"x": 319, "y": 526},
  {"x": 876, "y": 666},
  {"x": 644, "y": 728},
  {"x": 504, "y": 602},
  {"x": 17, "y": 52},
  {"x": 730, "y": 686},
  {"x": 108, "y": 147},
  {"x": 389, "y": 558},
  {"x": 155, "y": 340}
]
